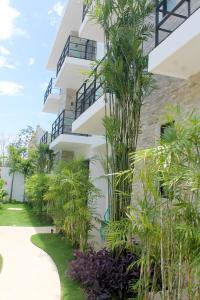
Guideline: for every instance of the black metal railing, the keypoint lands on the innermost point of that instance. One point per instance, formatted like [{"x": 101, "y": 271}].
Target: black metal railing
[
  {"x": 45, "y": 138},
  {"x": 78, "y": 48},
  {"x": 90, "y": 91},
  {"x": 63, "y": 124},
  {"x": 51, "y": 89},
  {"x": 170, "y": 14},
  {"x": 85, "y": 10}
]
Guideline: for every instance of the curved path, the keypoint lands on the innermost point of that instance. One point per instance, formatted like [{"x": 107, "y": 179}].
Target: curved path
[{"x": 28, "y": 272}]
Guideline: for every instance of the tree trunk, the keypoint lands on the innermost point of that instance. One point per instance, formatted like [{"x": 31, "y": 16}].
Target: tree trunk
[
  {"x": 12, "y": 184},
  {"x": 24, "y": 193}
]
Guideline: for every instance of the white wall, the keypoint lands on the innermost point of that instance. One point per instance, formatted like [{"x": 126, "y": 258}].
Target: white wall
[
  {"x": 18, "y": 186},
  {"x": 98, "y": 178}
]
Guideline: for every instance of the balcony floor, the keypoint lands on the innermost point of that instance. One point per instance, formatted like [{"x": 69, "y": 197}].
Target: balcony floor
[
  {"x": 91, "y": 120},
  {"x": 76, "y": 143},
  {"x": 73, "y": 72},
  {"x": 178, "y": 54},
  {"x": 51, "y": 105}
]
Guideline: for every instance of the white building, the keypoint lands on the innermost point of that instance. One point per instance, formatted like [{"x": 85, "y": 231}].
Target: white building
[{"x": 79, "y": 105}]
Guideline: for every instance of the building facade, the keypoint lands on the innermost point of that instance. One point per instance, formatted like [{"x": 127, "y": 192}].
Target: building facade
[{"x": 79, "y": 102}]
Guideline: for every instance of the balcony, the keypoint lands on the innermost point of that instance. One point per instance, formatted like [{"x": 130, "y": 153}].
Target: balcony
[
  {"x": 177, "y": 39},
  {"x": 45, "y": 139},
  {"x": 76, "y": 58},
  {"x": 71, "y": 21},
  {"x": 90, "y": 28},
  {"x": 51, "y": 98},
  {"x": 90, "y": 106},
  {"x": 62, "y": 137}
]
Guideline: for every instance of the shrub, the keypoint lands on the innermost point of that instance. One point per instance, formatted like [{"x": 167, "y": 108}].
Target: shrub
[
  {"x": 104, "y": 275},
  {"x": 70, "y": 200},
  {"x": 36, "y": 187},
  {"x": 3, "y": 192}
]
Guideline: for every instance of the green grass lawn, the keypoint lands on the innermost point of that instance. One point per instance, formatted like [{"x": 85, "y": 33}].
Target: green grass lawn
[
  {"x": 23, "y": 217},
  {"x": 61, "y": 253},
  {"x": 1, "y": 263}
]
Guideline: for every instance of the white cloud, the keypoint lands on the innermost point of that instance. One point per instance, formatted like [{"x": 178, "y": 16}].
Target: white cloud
[
  {"x": 57, "y": 8},
  {"x": 4, "y": 51},
  {"x": 10, "y": 88},
  {"x": 31, "y": 61},
  {"x": 21, "y": 32},
  {"x": 8, "y": 15},
  {"x": 55, "y": 12},
  {"x": 5, "y": 64}
]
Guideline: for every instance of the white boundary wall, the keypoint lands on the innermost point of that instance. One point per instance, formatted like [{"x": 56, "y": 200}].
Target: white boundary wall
[{"x": 18, "y": 186}]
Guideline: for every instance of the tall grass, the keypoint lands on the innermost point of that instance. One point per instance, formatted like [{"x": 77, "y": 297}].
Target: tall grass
[{"x": 164, "y": 229}]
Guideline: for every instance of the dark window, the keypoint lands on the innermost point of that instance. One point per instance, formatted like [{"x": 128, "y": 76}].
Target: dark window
[{"x": 163, "y": 129}]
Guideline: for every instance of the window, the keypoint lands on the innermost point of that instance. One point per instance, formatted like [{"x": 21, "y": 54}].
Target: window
[{"x": 163, "y": 129}]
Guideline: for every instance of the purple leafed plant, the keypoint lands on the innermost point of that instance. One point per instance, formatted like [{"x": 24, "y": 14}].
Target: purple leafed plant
[{"x": 103, "y": 275}]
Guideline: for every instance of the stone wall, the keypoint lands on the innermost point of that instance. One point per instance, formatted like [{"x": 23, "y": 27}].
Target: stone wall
[{"x": 168, "y": 91}]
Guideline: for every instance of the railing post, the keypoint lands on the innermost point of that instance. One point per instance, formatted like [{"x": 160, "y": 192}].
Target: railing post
[
  {"x": 76, "y": 106},
  {"x": 86, "y": 48},
  {"x": 52, "y": 133},
  {"x": 83, "y": 101},
  {"x": 157, "y": 23},
  {"x": 68, "y": 46},
  {"x": 51, "y": 85},
  {"x": 95, "y": 85},
  {"x": 189, "y": 7},
  {"x": 63, "y": 120}
]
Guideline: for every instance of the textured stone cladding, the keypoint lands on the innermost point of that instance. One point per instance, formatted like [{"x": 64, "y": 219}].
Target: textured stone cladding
[{"x": 168, "y": 91}]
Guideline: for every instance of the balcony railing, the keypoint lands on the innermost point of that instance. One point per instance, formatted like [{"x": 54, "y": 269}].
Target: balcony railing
[
  {"x": 85, "y": 10},
  {"x": 89, "y": 93},
  {"x": 45, "y": 138},
  {"x": 78, "y": 48},
  {"x": 170, "y": 14},
  {"x": 51, "y": 89},
  {"x": 63, "y": 125}
]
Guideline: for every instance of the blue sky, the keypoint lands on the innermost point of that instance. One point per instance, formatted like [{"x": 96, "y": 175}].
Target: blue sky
[{"x": 27, "y": 31}]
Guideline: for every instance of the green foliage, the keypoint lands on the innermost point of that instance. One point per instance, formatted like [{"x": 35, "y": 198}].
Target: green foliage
[
  {"x": 16, "y": 162},
  {"x": 3, "y": 192},
  {"x": 165, "y": 229},
  {"x": 24, "y": 138},
  {"x": 15, "y": 158},
  {"x": 36, "y": 187},
  {"x": 127, "y": 29},
  {"x": 42, "y": 158},
  {"x": 67, "y": 196},
  {"x": 70, "y": 200}
]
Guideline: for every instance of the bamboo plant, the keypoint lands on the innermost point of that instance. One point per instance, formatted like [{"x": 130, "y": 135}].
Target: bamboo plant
[
  {"x": 165, "y": 227},
  {"x": 127, "y": 28}
]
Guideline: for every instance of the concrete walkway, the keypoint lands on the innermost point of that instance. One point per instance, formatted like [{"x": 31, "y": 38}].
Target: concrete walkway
[{"x": 28, "y": 272}]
